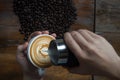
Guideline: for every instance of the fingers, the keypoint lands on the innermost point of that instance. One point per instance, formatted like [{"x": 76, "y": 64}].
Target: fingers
[
  {"x": 81, "y": 41},
  {"x": 45, "y": 32},
  {"x": 54, "y": 35},
  {"x": 72, "y": 44},
  {"x": 91, "y": 37},
  {"x": 22, "y": 48},
  {"x": 34, "y": 34},
  {"x": 92, "y": 34},
  {"x": 39, "y": 33},
  {"x": 21, "y": 58},
  {"x": 86, "y": 35},
  {"x": 25, "y": 48}
]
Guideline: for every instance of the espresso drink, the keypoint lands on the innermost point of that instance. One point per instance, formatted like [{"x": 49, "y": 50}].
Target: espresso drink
[{"x": 38, "y": 50}]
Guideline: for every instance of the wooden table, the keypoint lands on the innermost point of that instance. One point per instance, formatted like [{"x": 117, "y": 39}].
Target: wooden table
[{"x": 104, "y": 19}]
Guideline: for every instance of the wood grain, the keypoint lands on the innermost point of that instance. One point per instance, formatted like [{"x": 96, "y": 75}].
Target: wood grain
[
  {"x": 6, "y": 5},
  {"x": 10, "y": 38},
  {"x": 107, "y": 15},
  {"x": 60, "y": 73},
  {"x": 10, "y": 69},
  {"x": 85, "y": 12},
  {"x": 107, "y": 25},
  {"x": 8, "y": 18}
]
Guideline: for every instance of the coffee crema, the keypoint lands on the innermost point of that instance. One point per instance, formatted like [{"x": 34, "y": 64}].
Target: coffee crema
[{"x": 38, "y": 50}]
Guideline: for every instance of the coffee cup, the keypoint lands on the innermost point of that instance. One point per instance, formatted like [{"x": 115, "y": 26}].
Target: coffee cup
[{"x": 38, "y": 50}]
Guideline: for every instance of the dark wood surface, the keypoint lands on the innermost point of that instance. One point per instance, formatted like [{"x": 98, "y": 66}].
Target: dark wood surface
[
  {"x": 85, "y": 12},
  {"x": 108, "y": 15},
  {"x": 107, "y": 25},
  {"x": 10, "y": 38}
]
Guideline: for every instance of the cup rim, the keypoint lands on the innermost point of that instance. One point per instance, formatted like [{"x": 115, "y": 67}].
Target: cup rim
[{"x": 29, "y": 46}]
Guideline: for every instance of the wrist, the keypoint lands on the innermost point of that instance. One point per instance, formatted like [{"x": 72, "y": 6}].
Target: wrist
[
  {"x": 117, "y": 75},
  {"x": 115, "y": 70}
]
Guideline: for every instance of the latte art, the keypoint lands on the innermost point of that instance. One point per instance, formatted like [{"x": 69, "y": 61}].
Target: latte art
[
  {"x": 38, "y": 50},
  {"x": 44, "y": 50}
]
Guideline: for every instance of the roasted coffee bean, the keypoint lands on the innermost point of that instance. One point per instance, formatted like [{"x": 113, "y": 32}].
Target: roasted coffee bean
[{"x": 38, "y": 15}]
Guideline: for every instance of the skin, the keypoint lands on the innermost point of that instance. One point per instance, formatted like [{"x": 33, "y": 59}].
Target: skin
[
  {"x": 29, "y": 71},
  {"x": 95, "y": 54}
]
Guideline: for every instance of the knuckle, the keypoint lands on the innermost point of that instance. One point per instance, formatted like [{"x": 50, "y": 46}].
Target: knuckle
[
  {"x": 84, "y": 57},
  {"x": 96, "y": 42},
  {"x": 99, "y": 39},
  {"x": 74, "y": 33},
  {"x": 82, "y": 30},
  {"x": 66, "y": 35},
  {"x": 19, "y": 47},
  {"x": 91, "y": 48}
]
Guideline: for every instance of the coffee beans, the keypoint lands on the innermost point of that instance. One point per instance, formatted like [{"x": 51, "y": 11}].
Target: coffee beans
[{"x": 38, "y": 15}]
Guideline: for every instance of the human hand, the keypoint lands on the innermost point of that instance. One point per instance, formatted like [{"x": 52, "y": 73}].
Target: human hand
[
  {"x": 30, "y": 72},
  {"x": 95, "y": 55}
]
